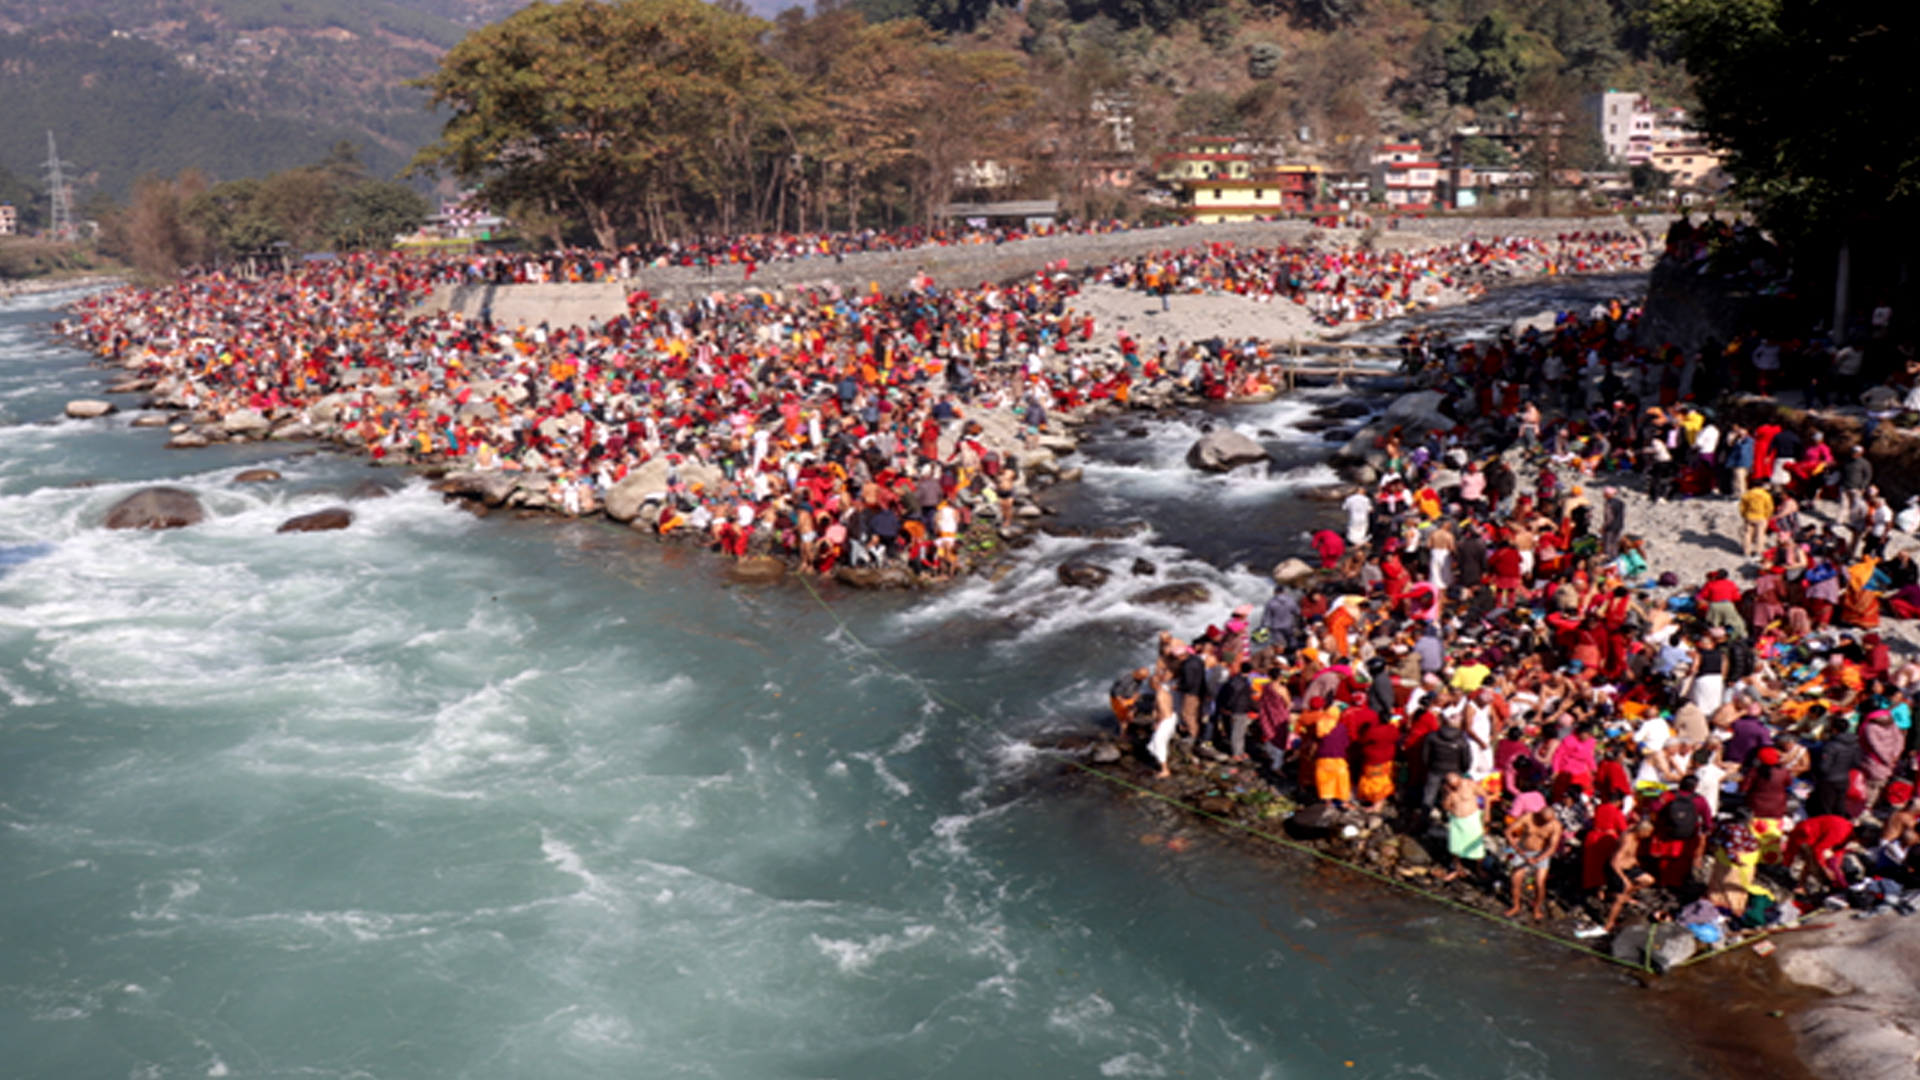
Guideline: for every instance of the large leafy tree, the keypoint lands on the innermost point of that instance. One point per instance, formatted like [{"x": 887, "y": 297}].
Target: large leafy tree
[
  {"x": 1815, "y": 100},
  {"x": 609, "y": 109}
]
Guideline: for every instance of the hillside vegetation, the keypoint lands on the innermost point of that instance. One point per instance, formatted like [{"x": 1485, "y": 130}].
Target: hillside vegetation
[{"x": 234, "y": 87}]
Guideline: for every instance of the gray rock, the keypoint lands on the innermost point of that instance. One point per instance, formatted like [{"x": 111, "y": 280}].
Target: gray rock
[
  {"x": 245, "y": 422},
  {"x": 1292, "y": 571},
  {"x": 1143, "y": 568},
  {"x": 491, "y": 488},
  {"x": 188, "y": 440},
  {"x": 151, "y": 420},
  {"x": 156, "y": 508},
  {"x": 295, "y": 432},
  {"x": 1413, "y": 853},
  {"x": 1081, "y": 575},
  {"x": 89, "y": 409},
  {"x": 1224, "y": 450},
  {"x": 630, "y": 494},
  {"x": 1865, "y": 1030},
  {"x": 1104, "y": 753},
  {"x": 256, "y": 476},
  {"x": 1072, "y": 476},
  {"x": 333, "y": 517},
  {"x": 1672, "y": 945},
  {"x": 1175, "y": 594}
]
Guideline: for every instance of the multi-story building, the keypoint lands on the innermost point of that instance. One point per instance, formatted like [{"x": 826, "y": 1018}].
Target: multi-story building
[
  {"x": 1407, "y": 174},
  {"x": 1627, "y": 124},
  {"x": 1282, "y": 189},
  {"x": 9, "y": 219}
]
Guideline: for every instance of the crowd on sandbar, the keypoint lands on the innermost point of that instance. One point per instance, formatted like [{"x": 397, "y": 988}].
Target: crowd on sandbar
[{"x": 1490, "y": 660}]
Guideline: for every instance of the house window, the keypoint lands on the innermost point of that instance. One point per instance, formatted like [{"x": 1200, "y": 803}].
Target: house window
[
  {"x": 1258, "y": 194},
  {"x": 1217, "y": 196}
]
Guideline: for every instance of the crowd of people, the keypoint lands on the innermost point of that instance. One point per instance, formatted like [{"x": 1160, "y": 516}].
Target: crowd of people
[
  {"x": 1359, "y": 284},
  {"x": 830, "y": 427},
  {"x": 1487, "y": 658}
]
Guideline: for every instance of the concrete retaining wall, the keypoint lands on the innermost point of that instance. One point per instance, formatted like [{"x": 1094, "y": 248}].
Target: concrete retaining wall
[{"x": 963, "y": 264}]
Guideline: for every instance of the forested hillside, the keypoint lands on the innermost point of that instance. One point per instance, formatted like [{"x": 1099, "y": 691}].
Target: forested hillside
[{"x": 234, "y": 87}]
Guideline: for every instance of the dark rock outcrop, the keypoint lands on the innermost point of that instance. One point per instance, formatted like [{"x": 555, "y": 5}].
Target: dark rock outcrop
[
  {"x": 1175, "y": 594},
  {"x": 156, "y": 508},
  {"x": 1078, "y": 574},
  {"x": 333, "y": 517}
]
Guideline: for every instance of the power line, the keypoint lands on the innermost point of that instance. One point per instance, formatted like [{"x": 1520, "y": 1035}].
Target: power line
[{"x": 58, "y": 194}]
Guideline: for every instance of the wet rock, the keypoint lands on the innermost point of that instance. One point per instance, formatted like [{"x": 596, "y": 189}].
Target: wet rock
[
  {"x": 757, "y": 570},
  {"x": 151, "y": 420},
  {"x": 1327, "y": 492},
  {"x": 369, "y": 489},
  {"x": 1143, "y": 568},
  {"x": 129, "y": 384},
  {"x": 1071, "y": 476},
  {"x": 1267, "y": 433},
  {"x": 1224, "y": 450},
  {"x": 1137, "y": 433},
  {"x": 1217, "y": 805},
  {"x": 188, "y": 440},
  {"x": 1672, "y": 945},
  {"x": 333, "y": 517},
  {"x": 1093, "y": 532},
  {"x": 1175, "y": 594},
  {"x": 295, "y": 432},
  {"x": 1413, "y": 853},
  {"x": 89, "y": 409},
  {"x": 867, "y": 577},
  {"x": 245, "y": 422},
  {"x": 1312, "y": 424},
  {"x": 256, "y": 476},
  {"x": 156, "y": 508},
  {"x": 491, "y": 488},
  {"x": 1104, "y": 753},
  {"x": 1344, "y": 410},
  {"x": 1081, "y": 575}
]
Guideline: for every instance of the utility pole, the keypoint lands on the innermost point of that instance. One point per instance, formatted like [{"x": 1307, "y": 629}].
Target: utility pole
[{"x": 61, "y": 224}]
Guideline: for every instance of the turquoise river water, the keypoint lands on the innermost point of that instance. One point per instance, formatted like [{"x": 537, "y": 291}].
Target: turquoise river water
[{"x": 440, "y": 796}]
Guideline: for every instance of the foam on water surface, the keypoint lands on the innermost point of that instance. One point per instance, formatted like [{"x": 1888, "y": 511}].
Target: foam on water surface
[{"x": 435, "y": 796}]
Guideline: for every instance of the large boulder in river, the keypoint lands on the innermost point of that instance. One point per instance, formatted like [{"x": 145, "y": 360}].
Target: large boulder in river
[
  {"x": 490, "y": 486},
  {"x": 333, "y": 517},
  {"x": 245, "y": 422},
  {"x": 1176, "y": 594},
  {"x": 88, "y": 409},
  {"x": 1081, "y": 575},
  {"x": 625, "y": 498},
  {"x": 1223, "y": 450},
  {"x": 156, "y": 508}
]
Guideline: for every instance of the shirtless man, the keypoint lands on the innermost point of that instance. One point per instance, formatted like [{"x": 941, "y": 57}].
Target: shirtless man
[
  {"x": 1624, "y": 873},
  {"x": 1466, "y": 827},
  {"x": 1534, "y": 833}
]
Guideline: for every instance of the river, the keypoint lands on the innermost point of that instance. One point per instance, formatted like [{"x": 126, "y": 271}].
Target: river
[{"x": 441, "y": 796}]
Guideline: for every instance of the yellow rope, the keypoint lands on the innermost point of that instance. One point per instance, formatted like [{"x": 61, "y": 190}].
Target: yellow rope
[{"x": 1230, "y": 823}]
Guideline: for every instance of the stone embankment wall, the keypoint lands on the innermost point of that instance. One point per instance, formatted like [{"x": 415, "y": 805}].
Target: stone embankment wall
[{"x": 963, "y": 264}]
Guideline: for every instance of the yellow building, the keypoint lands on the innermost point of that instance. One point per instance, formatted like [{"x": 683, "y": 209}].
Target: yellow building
[{"x": 1271, "y": 192}]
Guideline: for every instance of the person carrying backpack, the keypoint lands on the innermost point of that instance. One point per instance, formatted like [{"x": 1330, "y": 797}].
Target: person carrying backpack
[{"x": 1681, "y": 821}]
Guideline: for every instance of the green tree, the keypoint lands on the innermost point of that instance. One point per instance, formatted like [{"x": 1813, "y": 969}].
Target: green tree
[
  {"x": 1814, "y": 101},
  {"x": 614, "y": 108},
  {"x": 372, "y": 213}
]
